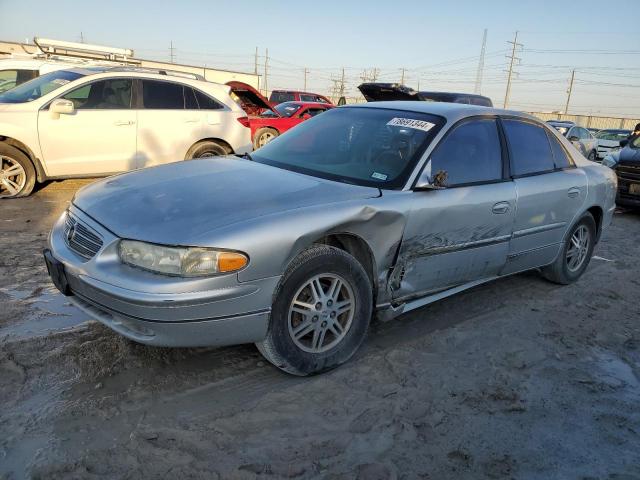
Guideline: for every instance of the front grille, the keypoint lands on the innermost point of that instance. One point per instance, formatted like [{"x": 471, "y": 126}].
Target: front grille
[{"x": 80, "y": 238}]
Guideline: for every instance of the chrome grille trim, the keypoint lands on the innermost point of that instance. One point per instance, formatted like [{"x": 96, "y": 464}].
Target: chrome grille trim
[{"x": 83, "y": 240}]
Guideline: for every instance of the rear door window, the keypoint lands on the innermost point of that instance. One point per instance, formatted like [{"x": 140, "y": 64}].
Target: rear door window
[
  {"x": 560, "y": 157},
  {"x": 308, "y": 98},
  {"x": 280, "y": 97},
  {"x": 162, "y": 95},
  {"x": 529, "y": 148},
  {"x": 471, "y": 153}
]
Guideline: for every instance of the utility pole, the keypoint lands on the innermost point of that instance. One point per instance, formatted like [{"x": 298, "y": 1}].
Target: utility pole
[
  {"x": 172, "y": 54},
  {"x": 255, "y": 63},
  {"x": 306, "y": 71},
  {"x": 81, "y": 37},
  {"x": 511, "y": 63},
  {"x": 402, "y": 77},
  {"x": 342, "y": 83},
  {"x": 481, "y": 64},
  {"x": 566, "y": 107},
  {"x": 266, "y": 62},
  {"x": 374, "y": 74}
]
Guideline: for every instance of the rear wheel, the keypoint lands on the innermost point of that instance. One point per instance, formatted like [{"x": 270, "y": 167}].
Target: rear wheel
[
  {"x": 263, "y": 136},
  {"x": 576, "y": 253},
  {"x": 17, "y": 174},
  {"x": 208, "y": 148},
  {"x": 320, "y": 313}
]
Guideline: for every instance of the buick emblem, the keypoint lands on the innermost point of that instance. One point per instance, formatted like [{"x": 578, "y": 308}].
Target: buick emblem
[{"x": 71, "y": 233}]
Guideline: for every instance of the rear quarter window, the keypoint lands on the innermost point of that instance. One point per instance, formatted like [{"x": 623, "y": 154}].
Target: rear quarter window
[
  {"x": 529, "y": 149},
  {"x": 560, "y": 157}
]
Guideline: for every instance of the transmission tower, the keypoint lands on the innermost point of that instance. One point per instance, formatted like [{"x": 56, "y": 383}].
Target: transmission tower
[{"x": 478, "y": 87}]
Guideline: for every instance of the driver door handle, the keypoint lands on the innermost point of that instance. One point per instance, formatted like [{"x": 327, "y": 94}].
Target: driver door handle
[
  {"x": 501, "y": 208},
  {"x": 573, "y": 192}
]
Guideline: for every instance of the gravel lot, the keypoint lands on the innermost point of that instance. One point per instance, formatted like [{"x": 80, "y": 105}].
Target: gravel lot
[{"x": 515, "y": 379}]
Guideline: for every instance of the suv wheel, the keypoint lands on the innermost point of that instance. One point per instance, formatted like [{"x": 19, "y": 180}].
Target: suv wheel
[
  {"x": 208, "y": 148},
  {"x": 576, "y": 253},
  {"x": 263, "y": 136},
  {"x": 320, "y": 313},
  {"x": 592, "y": 156},
  {"x": 17, "y": 175}
]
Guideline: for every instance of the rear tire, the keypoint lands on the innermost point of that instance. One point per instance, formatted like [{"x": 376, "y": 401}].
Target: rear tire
[
  {"x": 264, "y": 136},
  {"x": 576, "y": 252},
  {"x": 208, "y": 148},
  {"x": 17, "y": 173},
  {"x": 320, "y": 313}
]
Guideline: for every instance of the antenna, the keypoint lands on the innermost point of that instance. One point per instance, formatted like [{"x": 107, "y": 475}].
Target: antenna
[{"x": 478, "y": 87}]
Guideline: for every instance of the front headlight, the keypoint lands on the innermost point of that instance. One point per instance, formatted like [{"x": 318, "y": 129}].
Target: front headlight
[{"x": 180, "y": 261}]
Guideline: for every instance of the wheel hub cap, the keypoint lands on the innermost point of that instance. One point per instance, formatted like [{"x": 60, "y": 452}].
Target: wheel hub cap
[
  {"x": 578, "y": 248},
  {"x": 321, "y": 313},
  {"x": 12, "y": 177}
]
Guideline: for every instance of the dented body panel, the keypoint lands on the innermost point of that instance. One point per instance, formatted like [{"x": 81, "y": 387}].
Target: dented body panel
[{"x": 421, "y": 245}]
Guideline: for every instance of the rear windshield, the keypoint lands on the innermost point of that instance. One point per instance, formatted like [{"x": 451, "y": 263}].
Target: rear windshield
[
  {"x": 36, "y": 88},
  {"x": 279, "y": 97},
  {"x": 363, "y": 146}
]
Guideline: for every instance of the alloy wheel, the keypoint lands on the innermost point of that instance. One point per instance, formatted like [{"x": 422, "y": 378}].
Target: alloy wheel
[
  {"x": 578, "y": 248},
  {"x": 321, "y": 313},
  {"x": 12, "y": 177},
  {"x": 265, "y": 138}
]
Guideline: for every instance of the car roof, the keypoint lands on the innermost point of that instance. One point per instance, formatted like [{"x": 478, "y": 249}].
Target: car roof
[
  {"x": 560, "y": 122},
  {"x": 451, "y": 111}
]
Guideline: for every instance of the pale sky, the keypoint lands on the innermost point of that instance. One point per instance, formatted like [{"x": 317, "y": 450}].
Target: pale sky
[{"x": 437, "y": 42}]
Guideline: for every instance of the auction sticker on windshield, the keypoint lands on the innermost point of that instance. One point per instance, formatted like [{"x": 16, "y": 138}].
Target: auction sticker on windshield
[{"x": 411, "y": 123}]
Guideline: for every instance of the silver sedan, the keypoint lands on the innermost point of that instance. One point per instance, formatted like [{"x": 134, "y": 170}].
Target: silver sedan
[{"x": 375, "y": 209}]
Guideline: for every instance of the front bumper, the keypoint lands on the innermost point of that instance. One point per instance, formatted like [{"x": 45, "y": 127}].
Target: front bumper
[{"x": 160, "y": 310}]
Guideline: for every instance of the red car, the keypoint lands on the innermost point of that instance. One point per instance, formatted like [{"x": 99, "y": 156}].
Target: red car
[
  {"x": 281, "y": 96},
  {"x": 267, "y": 120}
]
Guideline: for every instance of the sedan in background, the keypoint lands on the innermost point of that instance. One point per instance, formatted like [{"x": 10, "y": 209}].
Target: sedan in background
[
  {"x": 580, "y": 137},
  {"x": 374, "y": 209},
  {"x": 609, "y": 140}
]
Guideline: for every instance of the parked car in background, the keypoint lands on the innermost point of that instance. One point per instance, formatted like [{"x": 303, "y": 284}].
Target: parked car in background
[
  {"x": 581, "y": 138},
  {"x": 626, "y": 163},
  {"x": 609, "y": 139},
  {"x": 283, "y": 117},
  {"x": 281, "y": 96},
  {"x": 14, "y": 72},
  {"x": 380, "y": 92},
  {"x": 593, "y": 130},
  {"x": 375, "y": 208},
  {"x": 87, "y": 122}
]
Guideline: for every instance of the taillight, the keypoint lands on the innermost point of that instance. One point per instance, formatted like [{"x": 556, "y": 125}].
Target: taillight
[{"x": 244, "y": 121}]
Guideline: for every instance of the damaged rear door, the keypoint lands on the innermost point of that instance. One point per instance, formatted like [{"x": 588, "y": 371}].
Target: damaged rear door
[{"x": 461, "y": 232}]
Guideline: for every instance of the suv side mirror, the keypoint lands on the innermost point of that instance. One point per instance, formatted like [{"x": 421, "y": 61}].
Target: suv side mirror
[
  {"x": 60, "y": 105},
  {"x": 624, "y": 143},
  {"x": 574, "y": 138}
]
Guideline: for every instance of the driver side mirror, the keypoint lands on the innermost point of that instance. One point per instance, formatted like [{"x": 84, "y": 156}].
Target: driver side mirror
[
  {"x": 624, "y": 143},
  {"x": 573, "y": 138},
  {"x": 61, "y": 106}
]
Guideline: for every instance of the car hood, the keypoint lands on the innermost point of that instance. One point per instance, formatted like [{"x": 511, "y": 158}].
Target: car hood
[{"x": 179, "y": 203}]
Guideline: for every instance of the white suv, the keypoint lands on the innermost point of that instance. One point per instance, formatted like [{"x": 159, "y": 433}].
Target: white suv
[{"x": 98, "y": 121}]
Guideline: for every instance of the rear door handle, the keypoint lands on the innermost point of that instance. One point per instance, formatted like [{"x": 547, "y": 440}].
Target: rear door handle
[
  {"x": 120, "y": 123},
  {"x": 573, "y": 192},
  {"x": 501, "y": 208}
]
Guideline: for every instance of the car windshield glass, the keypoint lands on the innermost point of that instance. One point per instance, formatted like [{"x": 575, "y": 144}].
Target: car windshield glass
[
  {"x": 615, "y": 135},
  {"x": 36, "y": 88},
  {"x": 563, "y": 129},
  {"x": 287, "y": 109},
  {"x": 363, "y": 146}
]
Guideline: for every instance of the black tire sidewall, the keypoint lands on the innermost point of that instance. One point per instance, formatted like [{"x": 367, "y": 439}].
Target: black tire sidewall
[
  {"x": 590, "y": 223},
  {"x": 23, "y": 160},
  {"x": 215, "y": 149},
  {"x": 311, "y": 363},
  {"x": 260, "y": 132}
]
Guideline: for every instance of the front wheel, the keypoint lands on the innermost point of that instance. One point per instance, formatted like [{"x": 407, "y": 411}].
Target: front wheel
[
  {"x": 592, "y": 156},
  {"x": 17, "y": 174},
  {"x": 320, "y": 313},
  {"x": 208, "y": 148},
  {"x": 263, "y": 136},
  {"x": 576, "y": 253}
]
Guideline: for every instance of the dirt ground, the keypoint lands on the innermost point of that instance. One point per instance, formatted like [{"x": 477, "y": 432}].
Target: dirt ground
[{"x": 515, "y": 379}]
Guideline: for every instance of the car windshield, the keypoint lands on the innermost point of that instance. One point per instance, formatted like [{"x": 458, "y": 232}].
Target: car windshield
[
  {"x": 563, "y": 129},
  {"x": 363, "y": 146},
  {"x": 36, "y": 88},
  {"x": 615, "y": 135},
  {"x": 287, "y": 109}
]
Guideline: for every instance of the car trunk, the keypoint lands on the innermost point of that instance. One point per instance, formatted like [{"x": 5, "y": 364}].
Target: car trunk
[{"x": 250, "y": 99}]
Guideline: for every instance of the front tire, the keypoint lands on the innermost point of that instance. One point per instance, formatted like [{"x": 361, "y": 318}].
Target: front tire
[
  {"x": 17, "y": 174},
  {"x": 593, "y": 156},
  {"x": 208, "y": 148},
  {"x": 264, "y": 136},
  {"x": 320, "y": 313},
  {"x": 576, "y": 253}
]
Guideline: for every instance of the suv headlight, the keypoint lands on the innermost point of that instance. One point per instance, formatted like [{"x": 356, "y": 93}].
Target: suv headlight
[{"x": 180, "y": 261}]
